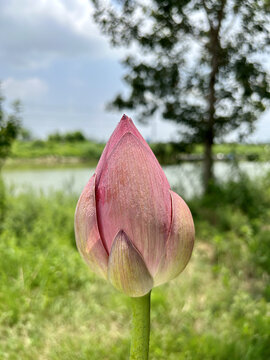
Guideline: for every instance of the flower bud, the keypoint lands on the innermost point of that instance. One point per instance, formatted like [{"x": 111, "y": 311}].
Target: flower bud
[{"x": 130, "y": 228}]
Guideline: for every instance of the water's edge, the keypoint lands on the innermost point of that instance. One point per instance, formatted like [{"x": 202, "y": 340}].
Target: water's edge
[{"x": 186, "y": 177}]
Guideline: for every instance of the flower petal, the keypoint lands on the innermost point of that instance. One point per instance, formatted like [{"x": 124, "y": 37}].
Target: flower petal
[
  {"x": 125, "y": 126},
  {"x": 180, "y": 242},
  {"x": 127, "y": 271},
  {"x": 87, "y": 235},
  {"x": 133, "y": 195}
]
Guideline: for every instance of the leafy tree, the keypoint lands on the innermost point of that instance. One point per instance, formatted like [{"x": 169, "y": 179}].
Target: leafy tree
[
  {"x": 196, "y": 62},
  {"x": 9, "y": 128}
]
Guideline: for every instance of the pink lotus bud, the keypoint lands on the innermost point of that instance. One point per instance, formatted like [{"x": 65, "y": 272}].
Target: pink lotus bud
[{"x": 130, "y": 227}]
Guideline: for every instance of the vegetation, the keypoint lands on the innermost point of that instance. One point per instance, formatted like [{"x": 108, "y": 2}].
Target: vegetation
[
  {"x": 38, "y": 151},
  {"x": 56, "y": 151},
  {"x": 250, "y": 152},
  {"x": 9, "y": 128},
  {"x": 53, "y": 307},
  {"x": 196, "y": 63},
  {"x": 75, "y": 136}
]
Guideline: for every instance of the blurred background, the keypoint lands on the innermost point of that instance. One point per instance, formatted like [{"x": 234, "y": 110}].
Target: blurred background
[{"x": 195, "y": 78}]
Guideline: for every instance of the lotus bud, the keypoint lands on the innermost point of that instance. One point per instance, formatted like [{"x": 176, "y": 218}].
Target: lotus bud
[{"x": 130, "y": 228}]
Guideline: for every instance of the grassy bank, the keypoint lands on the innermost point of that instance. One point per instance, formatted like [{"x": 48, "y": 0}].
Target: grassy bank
[
  {"x": 53, "y": 307},
  {"x": 40, "y": 152}
]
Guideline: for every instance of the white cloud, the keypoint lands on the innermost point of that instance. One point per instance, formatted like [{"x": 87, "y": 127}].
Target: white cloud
[
  {"x": 26, "y": 89},
  {"x": 34, "y": 33}
]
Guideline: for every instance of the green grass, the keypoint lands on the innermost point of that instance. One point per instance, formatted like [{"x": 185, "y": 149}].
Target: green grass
[{"x": 53, "y": 307}]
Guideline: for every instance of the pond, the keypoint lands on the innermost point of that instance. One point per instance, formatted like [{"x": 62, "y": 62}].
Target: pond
[{"x": 186, "y": 177}]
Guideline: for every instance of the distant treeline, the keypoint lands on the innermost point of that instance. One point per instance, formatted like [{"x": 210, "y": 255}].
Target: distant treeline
[
  {"x": 75, "y": 145},
  {"x": 74, "y": 136}
]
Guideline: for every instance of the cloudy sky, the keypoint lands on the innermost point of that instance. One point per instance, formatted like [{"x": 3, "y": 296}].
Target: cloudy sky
[{"x": 53, "y": 58}]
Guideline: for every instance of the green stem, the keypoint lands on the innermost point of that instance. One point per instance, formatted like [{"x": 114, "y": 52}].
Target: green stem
[{"x": 139, "y": 348}]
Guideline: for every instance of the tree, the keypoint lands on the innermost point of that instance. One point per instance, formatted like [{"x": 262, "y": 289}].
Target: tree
[
  {"x": 198, "y": 63},
  {"x": 9, "y": 128}
]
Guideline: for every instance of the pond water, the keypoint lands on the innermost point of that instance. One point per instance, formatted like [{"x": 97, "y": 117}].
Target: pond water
[{"x": 186, "y": 177}]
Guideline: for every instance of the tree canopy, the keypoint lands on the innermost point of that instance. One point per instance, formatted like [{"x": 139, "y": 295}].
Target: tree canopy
[
  {"x": 199, "y": 63},
  {"x": 9, "y": 128}
]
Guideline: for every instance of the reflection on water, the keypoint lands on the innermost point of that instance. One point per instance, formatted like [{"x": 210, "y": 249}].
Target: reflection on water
[{"x": 186, "y": 177}]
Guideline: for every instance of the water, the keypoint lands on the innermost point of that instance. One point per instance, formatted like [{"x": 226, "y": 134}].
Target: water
[{"x": 186, "y": 177}]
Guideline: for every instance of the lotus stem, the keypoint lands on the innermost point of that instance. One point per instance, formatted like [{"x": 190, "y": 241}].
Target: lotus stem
[{"x": 139, "y": 348}]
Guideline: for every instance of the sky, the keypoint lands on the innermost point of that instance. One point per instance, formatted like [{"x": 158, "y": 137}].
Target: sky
[{"x": 55, "y": 60}]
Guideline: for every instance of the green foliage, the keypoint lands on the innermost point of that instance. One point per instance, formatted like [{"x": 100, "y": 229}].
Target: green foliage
[
  {"x": 9, "y": 129},
  {"x": 244, "y": 194},
  {"x": 250, "y": 152},
  {"x": 196, "y": 63},
  {"x": 53, "y": 307},
  {"x": 166, "y": 153},
  {"x": 170, "y": 153},
  {"x": 239, "y": 210},
  {"x": 202, "y": 71},
  {"x": 75, "y": 136},
  {"x": 85, "y": 150},
  {"x": 2, "y": 202}
]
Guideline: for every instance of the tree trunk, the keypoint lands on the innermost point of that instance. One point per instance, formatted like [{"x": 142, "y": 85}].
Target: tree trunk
[
  {"x": 208, "y": 175},
  {"x": 213, "y": 48}
]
